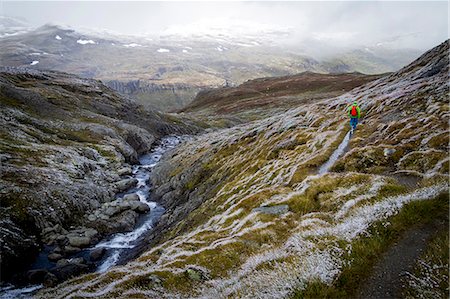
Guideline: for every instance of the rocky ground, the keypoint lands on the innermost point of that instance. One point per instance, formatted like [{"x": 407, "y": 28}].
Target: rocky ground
[
  {"x": 66, "y": 149},
  {"x": 248, "y": 213}
]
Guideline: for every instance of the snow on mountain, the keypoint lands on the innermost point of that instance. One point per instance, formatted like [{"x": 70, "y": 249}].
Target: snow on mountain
[
  {"x": 85, "y": 42},
  {"x": 132, "y": 45}
]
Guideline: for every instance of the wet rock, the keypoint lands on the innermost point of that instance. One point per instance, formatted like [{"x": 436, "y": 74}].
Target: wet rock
[
  {"x": 124, "y": 171},
  {"x": 69, "y": 270},
  {"x": 97, "y": 253},
  {"x": 36, "y": 276},
  {"x": 140, "y": 207},
  {"x": 79, "y": 241},
  {"x": 62, "y": 262},
  {"x": 274, "y": 210},
  {"x": 131, "y": 197},
  {"x": 53, "y": 257},
  {"x": 77, "y": 260},
  {"x": 61, "y": 239},
  {"x": 50, "y": 280},
  {"x": 126, "y": 184},
  {"x": 71, "y": 249}
]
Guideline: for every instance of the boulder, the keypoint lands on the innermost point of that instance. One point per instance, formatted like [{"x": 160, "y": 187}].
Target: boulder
[
  {"x": 36, "y": 276},
  {"x": 79, "y": 241},
  {"x": 197, "y": 274},
  {"x": 62, "y": 262},
  {"x": 140, "y": 207},
  {"x": 126, "y": 184},
  {"x": 71, "y": 249},
  {"x": 77, "y": 260},
  {"x": 124, "y": 171},
  {"x": 50, "y": 280},
  {"x": 131, "y": 197},
  {"x": 53, "y": 257},
  {"x": 97, "y": 253},
  {"x": 70, "y": 270},
  {"x": 91, "y": 233},
  {"x": 274, "y": 210}
]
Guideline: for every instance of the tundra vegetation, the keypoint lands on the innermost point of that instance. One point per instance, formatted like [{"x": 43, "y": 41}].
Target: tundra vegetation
[{"x": 254, "y": 219}]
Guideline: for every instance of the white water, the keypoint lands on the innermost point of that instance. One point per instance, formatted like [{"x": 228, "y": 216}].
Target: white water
[
  {"x": 124, "y": 241},
  {"x": 336, "y": 154},
  {"x": 10, "y": 292},
  {"x": 121, "y": 241}
]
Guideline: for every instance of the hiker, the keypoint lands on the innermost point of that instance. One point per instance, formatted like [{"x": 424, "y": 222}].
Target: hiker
[{"x": 355, "y": 113}]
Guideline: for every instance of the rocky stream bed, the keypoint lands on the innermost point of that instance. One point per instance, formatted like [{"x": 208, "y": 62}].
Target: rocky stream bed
[{"x": 81, "y": 250}]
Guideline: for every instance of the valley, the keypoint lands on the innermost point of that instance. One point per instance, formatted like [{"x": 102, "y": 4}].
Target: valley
[
  {"x": 271, "y": 206},
  {"x": 166, "y": 71},
  {"x": 193, "y": 154}
]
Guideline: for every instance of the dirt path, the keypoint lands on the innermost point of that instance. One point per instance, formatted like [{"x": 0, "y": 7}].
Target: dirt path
[{"x": 386, "y": 279}]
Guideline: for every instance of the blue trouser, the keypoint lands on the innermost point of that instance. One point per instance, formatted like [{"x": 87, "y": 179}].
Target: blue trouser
[{"x": 353, "y": 122}]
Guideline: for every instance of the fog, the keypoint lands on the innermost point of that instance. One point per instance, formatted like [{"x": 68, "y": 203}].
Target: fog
[{"x": 406, "y": 24}]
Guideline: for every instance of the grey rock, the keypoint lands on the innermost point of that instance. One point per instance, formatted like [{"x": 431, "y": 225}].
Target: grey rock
[
  {"x": 140, "y": 207},
  {"x": 97, "y": 253},
  {"x": 71, "y": 249},
  {"x": 124, "y": 171},
  {"x": 274, "y": 210},
  {"x": 389, "y": 152},
  {"x": 131, "y": 197},
  {"x": 50, "y": 280},
  {"x": 123, "y": 185},
  {"x": 53, "y": 257},
  {"x": 70, "y": 270},
  {"x": 91, "y": 233},
  {"x": 62, "y": 262},
  {"x": 79, "y": 241},
  {"x": 197, "y": 274},
  {"x": 77, "y": 260},
  {"x": 36, "y": 276}
]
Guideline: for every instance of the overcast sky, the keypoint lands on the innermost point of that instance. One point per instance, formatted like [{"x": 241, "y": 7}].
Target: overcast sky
[{"x": 420, "y": 25}]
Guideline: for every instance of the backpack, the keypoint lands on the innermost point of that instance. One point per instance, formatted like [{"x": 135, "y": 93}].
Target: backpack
[{"x": 354, "y": 112}]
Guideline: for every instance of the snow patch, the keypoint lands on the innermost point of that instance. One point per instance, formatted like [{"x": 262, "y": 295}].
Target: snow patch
[
  {"x": 85, "y": 42},
  {"x": 132, "y": 45},
  {"x": 162, "y": 50},
  {"x": 58, "y": 37}
]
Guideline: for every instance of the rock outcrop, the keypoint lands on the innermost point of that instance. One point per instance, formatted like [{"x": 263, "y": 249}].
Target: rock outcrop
[{"x": 65, "y": 145}]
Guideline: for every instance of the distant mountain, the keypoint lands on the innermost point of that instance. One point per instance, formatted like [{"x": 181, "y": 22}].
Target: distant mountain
[
  {"x": 166, "y": 71},
  {"x": 260, "y": 98}
]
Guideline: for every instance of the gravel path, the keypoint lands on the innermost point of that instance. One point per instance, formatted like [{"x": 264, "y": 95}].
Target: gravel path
[{"x": 386, "y": 279}]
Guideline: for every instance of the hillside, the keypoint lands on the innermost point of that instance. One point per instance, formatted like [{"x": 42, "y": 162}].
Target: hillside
[
  {"x": 252, "y": 212},
  {"x": 64, "y": 141},
  {"x": 167, "y": 70},
  {"x": 260, "y": 98}
]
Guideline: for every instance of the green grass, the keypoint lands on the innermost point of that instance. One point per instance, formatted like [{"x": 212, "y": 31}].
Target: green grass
[{"x": 366, "y": 250}]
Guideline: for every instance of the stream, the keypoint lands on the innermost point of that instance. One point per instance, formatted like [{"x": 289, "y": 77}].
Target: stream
[
  {"x": 342, "y": 148},
  {"x": 119, "y": 243}
]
